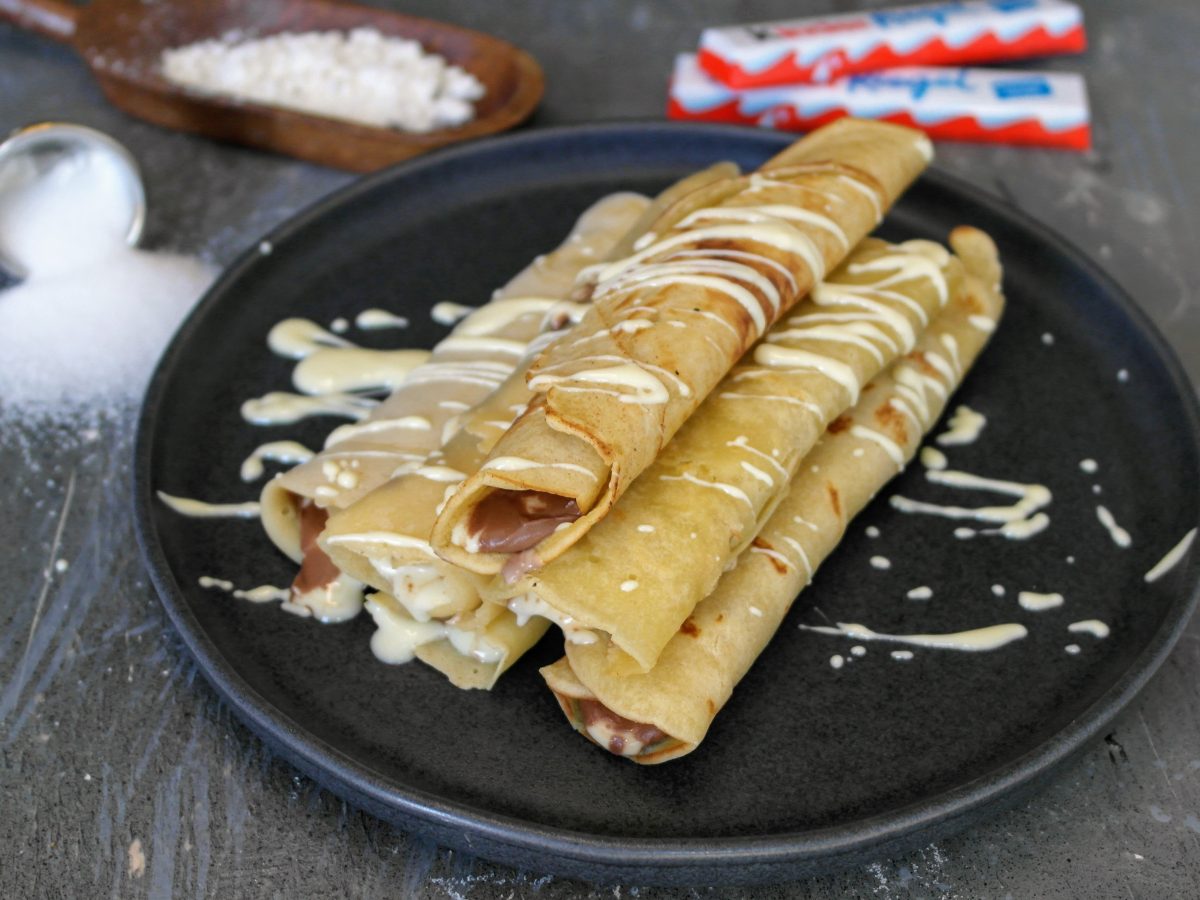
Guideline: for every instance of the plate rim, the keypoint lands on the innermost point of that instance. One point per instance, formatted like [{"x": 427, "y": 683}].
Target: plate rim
[{"x": 547, "y": 844}]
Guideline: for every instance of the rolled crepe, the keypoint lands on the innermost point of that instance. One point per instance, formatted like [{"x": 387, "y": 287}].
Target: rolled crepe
[
  {"x": 665, "y": 713},
  {"x": 472, "y": 649},
  {"x": 383, "y": 539},
  {"x": 464, "y": 368},
  {"x": 637, "y": 575},
  {"x": 666, "y": 325}
]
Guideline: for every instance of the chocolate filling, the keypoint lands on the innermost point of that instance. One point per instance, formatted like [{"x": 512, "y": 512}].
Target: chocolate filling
[
  {"x": 519, "y": 564},
  {"x": 512, "y": 521},
  {"x": 317, "y": 569},
  {"x": 593, "y": 712}
]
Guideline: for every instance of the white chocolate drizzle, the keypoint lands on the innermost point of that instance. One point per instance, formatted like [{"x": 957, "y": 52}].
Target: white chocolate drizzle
[
  {"x": 277, "y": 451},
  {"x": 1119, "y": 535},
  {"x": 1019, "y": 521},
  {"x": 526, "y": 606},
  {"x": 917, "y": 262},
  {"x": 742, "y": 442},
  {"x": 780, "y": 398},
  {"x": 427, "y": 590},
  {"x": 283, "y": 408},
  {"x": 520, "y": 464},
  {"x": 894, "y": 451},
  {"x": 643, "y": 386},
  {"x": 298, "y": 338},
  {"x": 1094, "y": 627},
  {"x": 1035, "y": 602},
  {"x": 933, "y": 458},
  {"x": 199, "y": 509},
  {"x": 374, "y": 427},
  {"x": 869, "y": 193},
  {"x": 1171, "y": 559},
  {"x": 795, "y": 359},
  {"x": 831, "y": 294},
  {"x": 773, "y": 554},
  {"x": 264, "y": 593},
  {"x": 857, "y": 334},
  {"x": 766, "y": 213},
  {"x": 351, "y": 369},
  {"x": 728, "y": 489},
  {"x": 338, "y": 601},
  {"x": 982, "y": 323},
  {"x": 376, "y": 319},
  {"x": 976, "y": 640},
  {"x": 472, "y": 344},
  {"x": 398, "y": 636},
  {"x": 447, "y": 313},
  {"x": 386, "y": 538},
  {"x": 443, "y": 474},
  {"x": 800, "y": 553},
  {"x": 775, "y": 233},
  {"x": 964, "y": 427}
]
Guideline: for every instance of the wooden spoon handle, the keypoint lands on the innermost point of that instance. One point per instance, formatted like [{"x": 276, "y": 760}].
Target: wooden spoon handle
[{"x": 54, "y": 19}]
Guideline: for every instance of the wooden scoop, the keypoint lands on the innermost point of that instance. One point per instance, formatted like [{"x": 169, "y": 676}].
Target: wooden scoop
[{"x": 122, "y": 41}]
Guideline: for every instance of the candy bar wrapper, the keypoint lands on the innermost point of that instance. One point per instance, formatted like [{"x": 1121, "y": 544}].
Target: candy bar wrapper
[
  {"x": 1047, "y": 109},
  {"x": 817, "y": 50}
]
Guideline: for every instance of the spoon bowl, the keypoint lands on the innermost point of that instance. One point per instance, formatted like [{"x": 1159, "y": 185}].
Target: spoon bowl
[{"x": 31, "y": 152}]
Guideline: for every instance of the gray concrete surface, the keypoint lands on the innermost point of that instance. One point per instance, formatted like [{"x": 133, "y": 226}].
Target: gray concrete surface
[{"x": 113, "y": 752}]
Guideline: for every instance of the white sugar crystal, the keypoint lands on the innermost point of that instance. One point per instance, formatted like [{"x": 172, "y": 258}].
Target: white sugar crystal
[{"x": 360, "y": 76}]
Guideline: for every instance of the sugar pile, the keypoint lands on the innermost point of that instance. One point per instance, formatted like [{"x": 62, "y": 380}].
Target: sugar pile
[
  {"x": 81, "y": 334},
  {"x": 360, "y": 76}
]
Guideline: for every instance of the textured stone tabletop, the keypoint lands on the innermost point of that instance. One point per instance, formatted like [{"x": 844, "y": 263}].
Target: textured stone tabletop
[{"x": 123, "y": 775}]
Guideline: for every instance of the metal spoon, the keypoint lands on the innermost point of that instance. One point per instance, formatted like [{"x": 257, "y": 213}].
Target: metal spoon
[{"x": 33, "y": 151}]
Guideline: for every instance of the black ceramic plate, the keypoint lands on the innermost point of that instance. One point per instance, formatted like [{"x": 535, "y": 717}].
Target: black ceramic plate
[{"x": 807, "y": 767}]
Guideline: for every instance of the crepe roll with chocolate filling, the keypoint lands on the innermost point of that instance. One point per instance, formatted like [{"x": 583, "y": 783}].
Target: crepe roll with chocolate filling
[
  {"x": 383, "y": 538},
  {"x": 665, "y": 713},
  {"x": 667, "y": 322},
  {"x": 399, "y": 434},
  {"x": 638, "y": 574}
]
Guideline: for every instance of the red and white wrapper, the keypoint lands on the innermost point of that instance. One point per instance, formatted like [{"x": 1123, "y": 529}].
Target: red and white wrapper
[
  {"x": 1004, "y": 106},
  {"x": 817, "y": 50}
]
